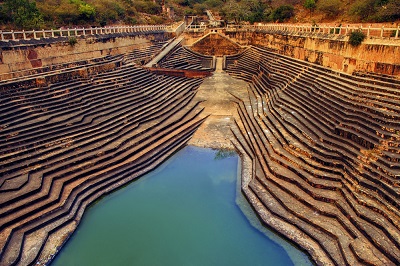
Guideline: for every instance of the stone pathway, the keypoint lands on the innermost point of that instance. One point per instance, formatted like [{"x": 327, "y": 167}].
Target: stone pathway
[{"x": 216, "y": 92}]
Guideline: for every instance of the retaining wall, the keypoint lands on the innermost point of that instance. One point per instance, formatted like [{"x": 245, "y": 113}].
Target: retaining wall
[
  {"x": 373, "y": 55},
  {"x": 17, "y": 58}
]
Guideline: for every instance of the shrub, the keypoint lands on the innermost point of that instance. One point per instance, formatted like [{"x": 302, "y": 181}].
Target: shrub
[
  {"x": 131, "y": 20},
  {"x": 282, "y": 13},
  {"x": 310, "y": 5},
  {"x": 213, "y": 3},
  {"x": 23, "y": 13},
  {"x": 72, "y": 41},
  {"x": 376, "y": 10},
  {"x": 86, "y": 11},
  {"x": 331, "y": 8},
  {"x": 390, "y": 11},
  {"x": 356, "y": 38},
  {"x": 363, "y": 9},
  {"x": 148, "y": 7}
]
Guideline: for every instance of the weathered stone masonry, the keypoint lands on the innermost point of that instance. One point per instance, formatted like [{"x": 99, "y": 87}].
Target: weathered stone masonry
[
  {"x": 380, "y": 56},
  {"x": 20, "y": 58}
]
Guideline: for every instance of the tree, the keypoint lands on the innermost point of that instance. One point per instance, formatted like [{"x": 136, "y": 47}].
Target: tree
[
  {"x": 389, "y": 12},
  {"x": 245, "y": 10},
  {"x": 258, "y": 10},
  {"x": 331, "y": 8},
  {"x": 363, "y": 9},
  {"x": 86, "y": 11},
  {"x": 233, "y": 11},
  {"x": 310, "y": 5},
  {"x": 283, "y": 13},
  {"x": 23, "y": 13},
  {"x": 376, "y": 10},
  {"x": 3, "y": 14}
]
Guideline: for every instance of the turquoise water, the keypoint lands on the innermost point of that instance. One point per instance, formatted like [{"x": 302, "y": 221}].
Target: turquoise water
[{"x": 183, "y": 213}]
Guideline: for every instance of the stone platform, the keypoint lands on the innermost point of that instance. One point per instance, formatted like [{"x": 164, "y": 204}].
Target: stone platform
[{"x": 215, "y": 95}]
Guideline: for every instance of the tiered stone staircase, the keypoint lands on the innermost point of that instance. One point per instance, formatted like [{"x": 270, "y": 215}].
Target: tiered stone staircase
[
  {"x": 144, "y": 54},
  {"x": 184, "y": 58},
  {"x": 324, "y": 153},
  {"x": 65, "y": 144}
]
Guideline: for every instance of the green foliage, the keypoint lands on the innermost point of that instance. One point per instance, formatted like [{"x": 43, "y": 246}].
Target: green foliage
[
  {"x": 259, "y": 11},
  {"x": 199, "y": 9},
  {"x": 389, "y": 12},
  {"x": 282, "y": 13},
  {"x": 3, "y": 14},
  {"x": 331, "y": 8},
  {"x": 87, "y": 11},
  {"x": 213, "y": 3},
  {"x": 155, "y": 20},
  {"x": 310, "y": 4},
  {"x": 363, "y": 9},
  {"x": 37, "y": 14},
  {"x": 72, "y": 41},
  {"x": 109, "y": 11},
  {"x": 245, "y": 10},
  {"x": 73, "y": 13},
  {"x": 376, "y": 10},
  {"x": 130, "y": 21},
  {"x": 182, "y": 2},
  {"x": 233, "y": 11},
  {"x": 23, "y": 13},
  {"x": 356, "y": 38},
  {"x": 148, "y": 7}
]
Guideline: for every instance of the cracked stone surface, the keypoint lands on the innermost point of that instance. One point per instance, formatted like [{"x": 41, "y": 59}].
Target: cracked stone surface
[{"x": 216, "y": 93}]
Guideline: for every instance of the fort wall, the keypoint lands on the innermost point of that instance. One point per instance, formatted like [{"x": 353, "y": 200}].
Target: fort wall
[
  {"x": 19, "y": 58},
  {"x": 379, "y": 56}
]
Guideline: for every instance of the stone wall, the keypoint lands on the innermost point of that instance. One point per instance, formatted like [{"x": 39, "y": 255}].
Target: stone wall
[
  {"x": 19, "y": 58},
  {"x": 373, "y": 55},
  {"x": 216, "y": 44}
]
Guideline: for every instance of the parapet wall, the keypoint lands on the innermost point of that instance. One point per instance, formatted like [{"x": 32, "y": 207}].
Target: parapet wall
[
  {"x": 18, "y": 58},
  {"x": 373, "y": 55}
]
